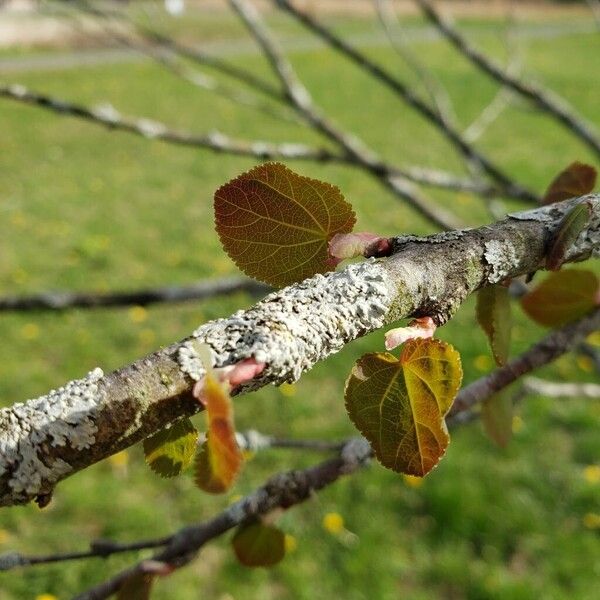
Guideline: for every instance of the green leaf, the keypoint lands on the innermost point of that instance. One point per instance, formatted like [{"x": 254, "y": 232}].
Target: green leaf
[
  {"x": 259, "y": 545},
  {"x": 399, "y": 405},
  {"x": 137, "y": 587},
  {"x": 562, "y": 297},
  {"x": 576, "y": 220},
  {"x": 497, "y": 417},
  {"x": 494, "y": 317},
  {"x": 276, "y": 224},
  {"x": 577, "y": 179},
  {"x": 172, "y": 450}
]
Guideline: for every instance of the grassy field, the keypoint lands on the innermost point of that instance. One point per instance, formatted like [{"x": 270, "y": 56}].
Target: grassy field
[{"x": 83, "y": 208}]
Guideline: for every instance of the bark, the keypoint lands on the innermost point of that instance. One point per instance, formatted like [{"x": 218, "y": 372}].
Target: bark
[{"x": 56, "y": 435}]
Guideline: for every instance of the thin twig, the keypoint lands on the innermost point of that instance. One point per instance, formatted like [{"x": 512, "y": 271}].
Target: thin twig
[
  {"x": 543, "y": 98},
  {"x": 400, "y": 88},
  {"x": 216, "y": 141},
  {"x": 555, "y": 389},
  {"x": 164, "y": 294},
  {"x": 300, "y": 98}
]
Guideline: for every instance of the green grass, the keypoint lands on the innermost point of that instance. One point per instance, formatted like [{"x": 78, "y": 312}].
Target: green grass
[{"x": 83, "y": 208}]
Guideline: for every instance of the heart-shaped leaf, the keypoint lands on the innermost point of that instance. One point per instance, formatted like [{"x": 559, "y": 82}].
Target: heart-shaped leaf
[
  {"x": 494, "y": 317},
  {"x": 259, "y": 545},
  {"x": 576, "y": 180},
  {"x": 497, "y": 417},
  {"x": 399, "y": 404},
  {"x": 220, "y": 459},
  {"x": 171, "y": 450},
  {"x": 562, "y": 297},
  {"x": 276, "y": 224},
  {"x": 572, "y": 225}
]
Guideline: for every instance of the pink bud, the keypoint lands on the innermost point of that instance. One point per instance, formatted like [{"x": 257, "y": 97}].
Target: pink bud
[{"x": 423, "y": 327}]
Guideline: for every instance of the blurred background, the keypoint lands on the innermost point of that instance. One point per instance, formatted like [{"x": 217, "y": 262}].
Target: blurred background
[{"x": 83, "y": 208}]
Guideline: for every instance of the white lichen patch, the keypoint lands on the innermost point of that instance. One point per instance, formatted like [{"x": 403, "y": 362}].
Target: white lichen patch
[
  {"x": 62, "y": 417},
  {"x": 292, "y": 329},
  {"x": 501, "y": 256}
]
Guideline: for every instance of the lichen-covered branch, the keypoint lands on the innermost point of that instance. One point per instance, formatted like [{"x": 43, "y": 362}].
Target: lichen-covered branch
[
  {"x": 47, "y": 439},
  {"x": 544, "y": 99}
]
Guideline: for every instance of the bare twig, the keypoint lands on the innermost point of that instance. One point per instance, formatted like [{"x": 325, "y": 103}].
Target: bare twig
[
  {"x": 554, "y": 389},
  {"x": 544, "y": 99},
  {"x": 400, "y": 88},
  {"x": 300, "y": 98},
  {"x": 67, "y": 300},
  {"x": 545, "y": 351},
  {"x": 216, "y": 141}
]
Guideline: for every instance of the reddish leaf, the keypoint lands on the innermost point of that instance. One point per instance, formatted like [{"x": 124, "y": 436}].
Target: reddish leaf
[
  {"x": 171, "y": 450},
  {"x": 562, "y": 297},
  {"x": 576, "y": 180},
  {"x": 258, "y": 545},
  {"x": 219, "y": 461},
  {"x": 276, "y": 224},
  {"x": 399, "y": 405},
  {"x": 571, "y": 226},
  {"x": 497, "y": 417},
  {"x": 494, "y": 317}
]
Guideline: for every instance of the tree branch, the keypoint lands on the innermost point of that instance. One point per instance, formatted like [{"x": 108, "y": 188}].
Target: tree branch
[
  {"x": 49, "y": 438},
  {"x": 197, "y": 291},
  {"x": 215, "y": 141},
  {"x": 401, "y": 89},
  {"x": 544, "y": 99}
]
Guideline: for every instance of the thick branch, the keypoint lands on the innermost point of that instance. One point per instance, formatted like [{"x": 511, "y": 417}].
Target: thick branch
[
  {"x": 47, "y": 439},
  {"x": 544, "y": 99},
  {"x": 67, "y": 300}
]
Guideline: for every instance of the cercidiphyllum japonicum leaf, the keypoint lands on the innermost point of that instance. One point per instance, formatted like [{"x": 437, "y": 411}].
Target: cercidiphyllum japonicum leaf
[
  {"x": 576, "y": 220},
  {"x": 399, "y": 404},
  {"x": 259, "y": 545},
  {"x": 136, "y": 587},
  {"x": 276, "y": 224},
  {"x": 497, "y": 417},
  {"x": 172, "y": 450},
  {"x": 577, "y": 179},
  {"x": 494, "y": 317},
  {"x": 220, "y": 459},
  {"x": 562, "y": 297}
]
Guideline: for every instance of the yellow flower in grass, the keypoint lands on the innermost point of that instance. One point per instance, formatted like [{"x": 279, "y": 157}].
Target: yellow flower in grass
[
  {"x": 120, "y": 460},
  {"x": 585, "y": 363},
  {"x": 591, "y": 473},
  {"x": 30, "y": 331},
  {"x": 4, "y": 536},
  {"x": 291, "y": 543},
  {"x": 288, "y": 390},
  {"x": 333, "y": 523},
  {"x": 138, "y": 314},
  {"x": 591, "y": 521},
  {"x": 46, "y": 597},
  {"x": 483, "y": 362}
]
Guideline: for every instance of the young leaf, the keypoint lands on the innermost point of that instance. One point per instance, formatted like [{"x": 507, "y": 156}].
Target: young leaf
[
  {"x": 276, "y": 224},
  {"x": 562, "y": 297},
  {"x": 576, "y": 180},
  {"x": 572, "y": 225},
  {"x": 399, "y": 404},
  {"x": 171, "y": 450},
  {"x": 423, "y": 327},
  {"x": 219, "y": 461},
  {"x": 137, "y": 587},
  {"x": 494, "y": 317},
  {"x": 497, "y": 416},
  {"x": 350, "y": 245},
  {"x": 258, "y": 545}
]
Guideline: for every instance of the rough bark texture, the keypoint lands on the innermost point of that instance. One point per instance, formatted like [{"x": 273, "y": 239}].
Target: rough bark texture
[{"x": 49, "y": 438}]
